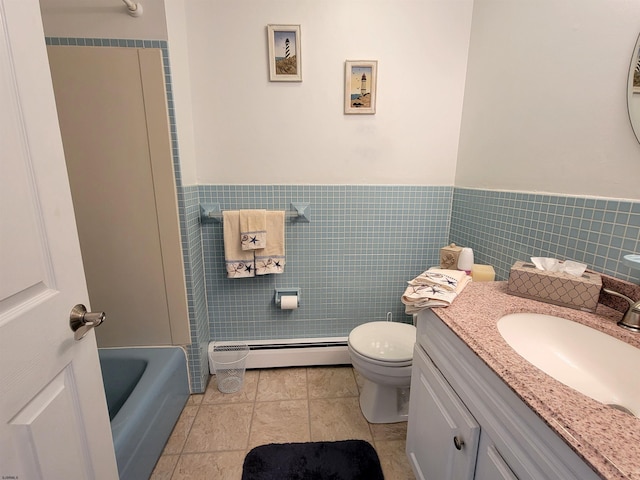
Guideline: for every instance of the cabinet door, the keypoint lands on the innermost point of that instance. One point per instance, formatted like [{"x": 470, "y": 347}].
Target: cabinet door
[
  {"x": 491, "y": 465},
  {"x": 442, "y": 436}
]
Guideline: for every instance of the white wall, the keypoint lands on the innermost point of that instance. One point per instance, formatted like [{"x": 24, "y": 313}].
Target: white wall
[
  {"x": 544, "y": 104},
  {"x": 181, "y": 86},
  {"x": 252, "y": 131},
  {"x": 103, "y": 19},
  {"x": 545, "y": 100}
]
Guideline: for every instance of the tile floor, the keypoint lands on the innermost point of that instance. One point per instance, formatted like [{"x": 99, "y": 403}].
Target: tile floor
[{"x": 280, "y": 405}]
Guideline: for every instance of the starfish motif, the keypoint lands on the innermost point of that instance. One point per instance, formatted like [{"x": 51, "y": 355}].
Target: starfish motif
[
  {"x": 248, "y": 267},
  {"x": 254, "y": 240},
  {"x": 430, "y": 288}
]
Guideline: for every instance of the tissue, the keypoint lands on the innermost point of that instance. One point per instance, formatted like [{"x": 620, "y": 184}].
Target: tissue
[{"x": 553, "y": 265}]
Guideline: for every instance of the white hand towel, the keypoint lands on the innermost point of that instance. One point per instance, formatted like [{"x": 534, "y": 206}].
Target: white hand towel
[
  {"x": 271, "y": 259},
  {"x": 239, "y": 263},
  {"x": 253, "y": 229},
  {"x": 434, "y": 288}
]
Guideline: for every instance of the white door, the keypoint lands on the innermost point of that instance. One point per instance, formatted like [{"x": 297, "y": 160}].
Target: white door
[{"x": 53, "y": 416}]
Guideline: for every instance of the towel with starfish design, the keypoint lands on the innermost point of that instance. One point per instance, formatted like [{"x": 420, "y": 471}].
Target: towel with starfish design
[
  {"x": 271, "y": 258},
  {"x": 253, "y": 229},
  {"x": 436, "y": 287},
  {"x": 239, "y": 263}
]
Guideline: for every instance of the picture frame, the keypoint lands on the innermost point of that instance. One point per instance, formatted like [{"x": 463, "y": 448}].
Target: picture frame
[
  {"x": 360, "y": 86},
  {"x": 285, "y": 53}
]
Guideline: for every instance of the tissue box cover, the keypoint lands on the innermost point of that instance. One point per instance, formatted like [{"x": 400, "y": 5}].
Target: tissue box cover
[{"x": 559, "y": 288}]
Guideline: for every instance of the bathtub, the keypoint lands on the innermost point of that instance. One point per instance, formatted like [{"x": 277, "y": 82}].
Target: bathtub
[{"x": 146, "y": 390}]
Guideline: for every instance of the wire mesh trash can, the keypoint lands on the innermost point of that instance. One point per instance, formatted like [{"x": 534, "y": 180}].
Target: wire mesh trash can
[{"x": 228, "y": 360}]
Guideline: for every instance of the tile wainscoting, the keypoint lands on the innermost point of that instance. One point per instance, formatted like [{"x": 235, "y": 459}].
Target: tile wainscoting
[
  {"x": 351, "y": 261},
  {"x": 363, "y": 243},
  {"x": 503, "y": 227}
]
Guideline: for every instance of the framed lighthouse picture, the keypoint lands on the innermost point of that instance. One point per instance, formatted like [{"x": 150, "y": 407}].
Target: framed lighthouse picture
[
  {"x": 360, "y": 81},
  {"x": 285, "y": 63}
]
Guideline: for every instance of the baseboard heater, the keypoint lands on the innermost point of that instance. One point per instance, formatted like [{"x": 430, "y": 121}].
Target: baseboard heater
[{"x": 297, "y": 352}]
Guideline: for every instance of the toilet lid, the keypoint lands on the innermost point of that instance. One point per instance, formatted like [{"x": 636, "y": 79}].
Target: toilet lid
[{"x": 386, "y": 341}]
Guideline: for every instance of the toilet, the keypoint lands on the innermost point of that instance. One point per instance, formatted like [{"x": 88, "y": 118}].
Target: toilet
[{"x": 382, "y": 353}]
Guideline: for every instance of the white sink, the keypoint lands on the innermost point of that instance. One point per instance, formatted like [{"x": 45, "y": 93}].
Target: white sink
[{"x": 594, "y": 363}]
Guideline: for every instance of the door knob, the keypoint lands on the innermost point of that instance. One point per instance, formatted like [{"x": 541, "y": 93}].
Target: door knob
[{"x": 82, "y": 321}]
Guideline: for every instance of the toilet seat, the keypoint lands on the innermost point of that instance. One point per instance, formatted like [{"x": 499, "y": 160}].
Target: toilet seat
[
  {"x": 384, "y": 343},
  {"x": 392, "y": 368}
]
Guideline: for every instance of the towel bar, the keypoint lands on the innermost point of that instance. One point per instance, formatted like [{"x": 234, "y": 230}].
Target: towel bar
[{"x": 211, "y": 212}]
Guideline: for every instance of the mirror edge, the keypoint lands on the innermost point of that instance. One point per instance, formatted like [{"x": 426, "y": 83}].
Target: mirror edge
[{"x": 633, "y": 103}]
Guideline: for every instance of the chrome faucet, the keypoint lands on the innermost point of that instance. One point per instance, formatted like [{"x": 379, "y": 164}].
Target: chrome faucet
[{"x": 631, "y": 319}]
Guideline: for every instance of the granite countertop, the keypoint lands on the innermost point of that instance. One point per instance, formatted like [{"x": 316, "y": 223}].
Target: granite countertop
[{"x": 606, "y": 438}]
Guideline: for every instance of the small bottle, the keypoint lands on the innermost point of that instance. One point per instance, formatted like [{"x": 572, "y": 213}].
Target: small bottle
[{"x": 465, "y": 260}]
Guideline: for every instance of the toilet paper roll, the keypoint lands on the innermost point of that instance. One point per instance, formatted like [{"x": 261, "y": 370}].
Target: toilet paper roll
[{"x": 288, "y": 302}]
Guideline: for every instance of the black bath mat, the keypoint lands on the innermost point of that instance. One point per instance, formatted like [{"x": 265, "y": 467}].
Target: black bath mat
[{"x": 344, "y": 460}]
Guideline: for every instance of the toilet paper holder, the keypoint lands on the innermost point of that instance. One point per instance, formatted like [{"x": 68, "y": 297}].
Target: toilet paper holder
[{"x": 281, "y": 292}]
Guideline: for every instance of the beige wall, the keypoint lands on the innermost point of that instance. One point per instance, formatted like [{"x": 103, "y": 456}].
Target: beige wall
[{"x": 545, "y": 100}]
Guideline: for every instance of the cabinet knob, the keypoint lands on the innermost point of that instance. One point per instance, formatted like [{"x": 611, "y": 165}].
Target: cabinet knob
[{"x": 459, "y": 443}]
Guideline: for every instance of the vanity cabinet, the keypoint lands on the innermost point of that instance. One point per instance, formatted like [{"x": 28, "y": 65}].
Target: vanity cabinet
[
  {"x": 443, "y": 434},
  {"x": 491, "y": 465},
  {"x": 466, "y": 423}
]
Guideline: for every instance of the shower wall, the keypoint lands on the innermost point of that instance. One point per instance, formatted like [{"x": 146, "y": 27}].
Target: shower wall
[
  {"x": 188, "y": 207},
  {"x": 119, "y": 161}
]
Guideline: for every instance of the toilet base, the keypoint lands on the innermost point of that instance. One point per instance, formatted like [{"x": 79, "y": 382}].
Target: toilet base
[{"x": 384, "y": 404}]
